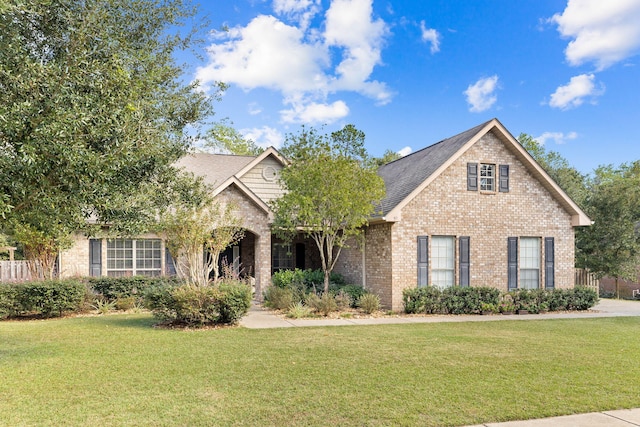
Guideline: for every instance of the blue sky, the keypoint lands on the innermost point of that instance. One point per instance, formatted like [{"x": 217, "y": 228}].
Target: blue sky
[{"x": 410, "y": 73}]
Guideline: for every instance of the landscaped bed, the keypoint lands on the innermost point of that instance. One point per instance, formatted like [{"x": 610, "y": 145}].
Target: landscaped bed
[{"x": 117, "y": 370}]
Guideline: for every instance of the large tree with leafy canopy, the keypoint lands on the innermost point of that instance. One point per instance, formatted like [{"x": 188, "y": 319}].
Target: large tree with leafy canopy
[
  {"x": 566, "y": 176},
  {"x": 611, "y": 246},
  {"x": 94, "y": 112},
  {"x": 331, "y": 191}
]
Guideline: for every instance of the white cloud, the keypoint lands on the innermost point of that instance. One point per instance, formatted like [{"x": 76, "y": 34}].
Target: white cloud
[
  {"x": 304, "y": 64},
  {"x": 405, "y": 151},
  {"x": 557, "y": 137},
  {"x": 604, "y": 32},
  {"x": 301, "y": 11},
  {"x": 432, "y": 36},
  {"x": 254, "y": 109},
  {"x": 315, "y": 113},
  {"x": 574, "y": 93},
  {"x": 264, "y": 137},
  {"x": 481, "y": 95}
]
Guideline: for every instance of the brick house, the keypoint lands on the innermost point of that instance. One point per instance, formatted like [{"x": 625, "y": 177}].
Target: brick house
[
  {"x": 250, "y": 182},
  {"x": 472, "y": 210}
]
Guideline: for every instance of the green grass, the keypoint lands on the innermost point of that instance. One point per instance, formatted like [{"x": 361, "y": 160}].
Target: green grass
[{"x": 117, "y": 370}]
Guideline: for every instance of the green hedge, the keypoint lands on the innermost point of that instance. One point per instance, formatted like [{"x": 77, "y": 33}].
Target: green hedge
[
  {"x": 114, "y": 288},
  {"x": 223, "y": 303},
  {"x": 469, "y": 300},
  {"x": 42, "y": 298}
]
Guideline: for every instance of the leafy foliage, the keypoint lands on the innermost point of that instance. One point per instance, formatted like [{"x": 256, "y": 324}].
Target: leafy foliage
[
  {"x": 611, "y": 246},
  {"x": 331, "y": 191},
  {"x": 190, "y": 227},
  {"x": 223, "y": 137},
  {"x": 47, "y": 298},
  {"x": 94, "y": 113},
  {"x": 224, "y": 303}
]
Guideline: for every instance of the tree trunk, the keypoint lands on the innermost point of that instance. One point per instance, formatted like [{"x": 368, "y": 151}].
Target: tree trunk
[
  {"x": 617, "y": 289},
  {"x": 326, "y": 280}
]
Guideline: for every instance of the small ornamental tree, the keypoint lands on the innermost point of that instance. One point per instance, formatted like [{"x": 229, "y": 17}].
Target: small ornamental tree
[
  {"x": 197, "y": 229},
  {"x": 331, "y": 191}
]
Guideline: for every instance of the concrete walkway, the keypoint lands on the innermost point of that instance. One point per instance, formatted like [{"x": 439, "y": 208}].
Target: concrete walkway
[
  {"x": 620, "y": 418},
  {"x": 261, "y": 318}
]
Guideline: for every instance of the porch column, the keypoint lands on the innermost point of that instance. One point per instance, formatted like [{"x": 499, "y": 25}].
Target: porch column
[{"x": 263, "y": 264}]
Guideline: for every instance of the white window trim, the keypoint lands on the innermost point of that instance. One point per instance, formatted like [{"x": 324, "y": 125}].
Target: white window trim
[{"x": 134, "y": 270}]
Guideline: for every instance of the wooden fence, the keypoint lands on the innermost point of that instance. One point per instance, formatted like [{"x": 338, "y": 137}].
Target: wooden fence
[
  {"x": 583, "y": 277},
  {"x": 14, "y": 271}
]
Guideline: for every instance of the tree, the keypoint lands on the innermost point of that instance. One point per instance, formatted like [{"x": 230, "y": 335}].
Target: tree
[
  {"x": 93, "y": 115},
  {"x": 197, "y": 228},
  {"x": 565, "y": 175},
  {"x": 225, "y": 138},
  {"x": 387, "y": 157},
  {"x": 331, "y": 191},
  {"x": 611, "y": 246}
]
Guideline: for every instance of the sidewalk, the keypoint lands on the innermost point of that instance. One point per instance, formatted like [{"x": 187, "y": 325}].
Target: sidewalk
[
  {"x": 261, "y": 318},
  {"x": 620, "y": 418}
]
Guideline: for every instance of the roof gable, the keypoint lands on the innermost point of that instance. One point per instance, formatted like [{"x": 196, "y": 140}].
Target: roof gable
[{"x": 405, "y": 178}]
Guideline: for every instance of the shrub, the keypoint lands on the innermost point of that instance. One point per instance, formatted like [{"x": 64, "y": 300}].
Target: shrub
[
  {"x": 461, "y": 300},
  {"x": 234, "y": 301},
  {"x": 422, "y": 300},
  {"x": 343, "y": 300},
  {"x": 287, "y": 278},
  {"x": 558, "y": 300},
  {"x": 355, "y": 292},
  {"x": 7, "y": 301},
  {"x": 195, "y": 305},
  {"x": 49, "y": 298},
  {"x": 298, "y": 310},
  {"x": 125, "y": 303},
  {"x": 324, "y": 304},
  {"x": 369, "y": 303},
  {"x": 581, "y": 298},
  {"x": 278, "y": 298},
  {"x": 113, "y": 288}
]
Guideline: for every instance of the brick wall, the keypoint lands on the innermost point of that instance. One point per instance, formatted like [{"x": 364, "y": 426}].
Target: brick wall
[{"x": 446, "y": 208}]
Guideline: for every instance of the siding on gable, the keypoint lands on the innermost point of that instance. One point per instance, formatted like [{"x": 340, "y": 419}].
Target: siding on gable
[
  {"x": 446, "y": 207},
  {"x": 254, "y": 179}
]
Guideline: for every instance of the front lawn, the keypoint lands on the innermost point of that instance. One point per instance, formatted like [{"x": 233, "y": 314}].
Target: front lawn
[{"x": 116, "y": 370}]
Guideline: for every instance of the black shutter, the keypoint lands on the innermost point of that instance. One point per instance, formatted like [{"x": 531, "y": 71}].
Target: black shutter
[
  {"x": 464, "y": 261},
  {"x": 512, "y": 262},
  {"x": 423, "y": 261},
  {"x": 549, "y": 263},
  {"x": 472, "y": 176},
  {"x": 95, "y": 257},
  {"x": 169, "y": 265},
  {"x": 504, "y": 178}
]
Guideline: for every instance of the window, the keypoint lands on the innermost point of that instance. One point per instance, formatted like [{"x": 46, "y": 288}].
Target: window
[
  {"x": 127, "y": 257},
  {"x": 529, "y": 262},
  {"x": 487, "y": 177},
  {"x": 282, "y": 257},
  {"x": 443, "y": 261}
]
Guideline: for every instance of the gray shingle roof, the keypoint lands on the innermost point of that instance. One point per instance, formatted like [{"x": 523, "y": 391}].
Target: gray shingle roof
[
  {"x": 404, "y": 175},
  {"x": 214, "y": 168}
]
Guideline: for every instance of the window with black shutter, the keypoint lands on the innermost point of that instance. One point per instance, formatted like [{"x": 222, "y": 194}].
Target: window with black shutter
[
  {"x": 472, "y": 176},
  {"x": 464, "y": 260},
  {"x": 503, "y": 178},
  {"x": 423, "y": 261},
  {"x": 549, "y": 263}
]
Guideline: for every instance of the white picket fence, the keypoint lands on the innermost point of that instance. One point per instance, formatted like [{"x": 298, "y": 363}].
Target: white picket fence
[{"x": 14, "y": 271}]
